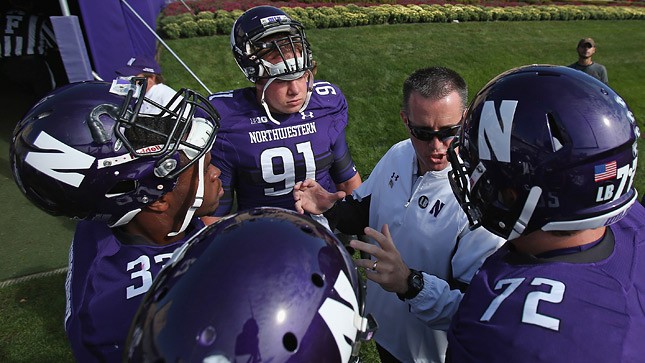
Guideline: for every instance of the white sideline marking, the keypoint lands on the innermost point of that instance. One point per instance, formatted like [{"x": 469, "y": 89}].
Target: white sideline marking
[{"x": 17, "y": 280}]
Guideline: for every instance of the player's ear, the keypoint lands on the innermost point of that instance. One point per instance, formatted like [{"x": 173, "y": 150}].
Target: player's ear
[{"x": 159, "y": 205}]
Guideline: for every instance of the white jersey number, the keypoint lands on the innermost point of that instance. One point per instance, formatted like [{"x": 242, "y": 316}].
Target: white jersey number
[
  {"x": 288, "y": 173},
  {"x": 142, "y": 275},
  {"x": 324, "y": 88},
  {"x": 529, "y": 314}
]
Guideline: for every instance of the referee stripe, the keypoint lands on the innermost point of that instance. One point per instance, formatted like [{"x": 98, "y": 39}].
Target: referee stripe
[
  {"x": 31, "y": 36},
  {"x": 25, "y": 34}
]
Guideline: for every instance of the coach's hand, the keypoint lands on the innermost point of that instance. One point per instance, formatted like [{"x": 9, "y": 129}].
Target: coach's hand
[{"x": 386, "y": 268}]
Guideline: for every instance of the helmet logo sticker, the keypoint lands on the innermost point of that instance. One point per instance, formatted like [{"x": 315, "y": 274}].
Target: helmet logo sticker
[
  {"x": 625, "y": 174},
  {"x": 340, "y": 318},
  {"x": 274, "y": 19},
  {"x": 122, "y": 85},
  {"x": 59, "y": 157},
  {"x": 621, "y": 102},
  {"x": 604, "y": 171},
  {"x": 496, "y": 131}
]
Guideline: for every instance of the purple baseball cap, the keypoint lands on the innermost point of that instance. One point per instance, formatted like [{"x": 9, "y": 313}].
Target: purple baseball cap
[{"x": 138, "y": 65}]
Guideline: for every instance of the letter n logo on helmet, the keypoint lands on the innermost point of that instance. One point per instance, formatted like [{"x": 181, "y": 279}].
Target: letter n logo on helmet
[
  {"x": 495, "y": 132},
  {"x": 59, "y": 157}
]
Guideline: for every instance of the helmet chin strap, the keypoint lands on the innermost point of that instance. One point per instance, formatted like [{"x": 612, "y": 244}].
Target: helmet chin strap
[
  {"x": 525, "y": 216},
  {"x": 199, "y": 198},
  {"x": 310, "y": 88},
  {"x": 264, "y": 103},
  {"x": 199, "y": 134}
]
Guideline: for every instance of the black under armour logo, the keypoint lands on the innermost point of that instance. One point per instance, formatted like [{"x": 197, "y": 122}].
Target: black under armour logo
[{"x": 393, "y": 178}]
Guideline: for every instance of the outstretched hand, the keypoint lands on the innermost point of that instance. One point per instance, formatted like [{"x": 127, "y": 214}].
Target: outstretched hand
[
  {"x": 388, "y": 268},
  {"x": 312, "y": 198}
]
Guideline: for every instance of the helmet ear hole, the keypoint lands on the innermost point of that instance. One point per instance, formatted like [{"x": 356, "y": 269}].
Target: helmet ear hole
[
  {"x": 290, "y": 342},
  {"x": 122, "y": 187},
  {"x": 318, "y": 280}
]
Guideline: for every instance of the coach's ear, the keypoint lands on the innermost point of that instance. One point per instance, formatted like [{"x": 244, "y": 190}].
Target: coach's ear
[{"x": 404, "y": 118}]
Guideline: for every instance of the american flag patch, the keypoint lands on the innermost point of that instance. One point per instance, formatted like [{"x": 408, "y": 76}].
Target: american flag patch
[{"x": 604, "y": 171}]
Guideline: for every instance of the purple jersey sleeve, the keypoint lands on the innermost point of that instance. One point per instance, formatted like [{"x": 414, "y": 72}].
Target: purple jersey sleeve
[
  {"x": 261, "y": 161},
  {"x": 105, "y": 285},
  {"x": 585, "y": 307}
]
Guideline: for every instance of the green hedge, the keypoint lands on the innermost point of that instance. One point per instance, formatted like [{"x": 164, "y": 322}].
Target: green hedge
[{"x": 207, "y": 23}]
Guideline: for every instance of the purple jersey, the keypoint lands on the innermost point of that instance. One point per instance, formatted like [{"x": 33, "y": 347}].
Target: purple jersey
[
  {"x": 583, "y": 307},
  {"x": 261, "y": 161},
  {"x": 105, "y": 284}
]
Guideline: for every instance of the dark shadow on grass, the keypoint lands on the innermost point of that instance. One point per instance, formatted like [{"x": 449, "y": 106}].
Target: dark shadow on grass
[{"x": 14, "y": 104}]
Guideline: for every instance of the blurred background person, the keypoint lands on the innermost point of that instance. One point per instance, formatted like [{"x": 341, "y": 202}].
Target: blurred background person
[
  {"x": 586, "y": 49},
  {"x": 156, "y": 90}
]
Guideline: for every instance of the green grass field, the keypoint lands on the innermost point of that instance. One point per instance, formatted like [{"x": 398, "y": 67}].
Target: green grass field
[{"x": 368, "y": 63}]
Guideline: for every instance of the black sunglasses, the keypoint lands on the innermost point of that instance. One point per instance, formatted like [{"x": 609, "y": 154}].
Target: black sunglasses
[{"x": 427, "y": 134}]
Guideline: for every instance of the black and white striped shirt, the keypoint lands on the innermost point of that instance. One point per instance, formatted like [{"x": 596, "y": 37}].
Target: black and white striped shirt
[{"x": 25, "y": 34}]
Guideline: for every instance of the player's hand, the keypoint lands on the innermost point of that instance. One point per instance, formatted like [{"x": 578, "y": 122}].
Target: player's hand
[
  {"x": 386, "y": 268},
  {"x": 310, "y": 197}
]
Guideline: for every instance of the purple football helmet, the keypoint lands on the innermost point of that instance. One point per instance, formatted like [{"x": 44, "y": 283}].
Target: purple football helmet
[
  {"x": 84, "y": 152},
  {"x": 250, "y": 46},
  {"x": 545, "y": 147},
  {"x": 264, "y": 285}
]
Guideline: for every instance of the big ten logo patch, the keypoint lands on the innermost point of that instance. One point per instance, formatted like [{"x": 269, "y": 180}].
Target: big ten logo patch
[{"x": 259, "y": 120}]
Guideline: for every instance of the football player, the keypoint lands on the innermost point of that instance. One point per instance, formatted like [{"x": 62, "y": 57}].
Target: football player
[
  {"x": 549, "y": 157},
  {"x": 265, "y": 285},
  {"x": 285, "y": 128},
  {"x": 137, "y": 185}
]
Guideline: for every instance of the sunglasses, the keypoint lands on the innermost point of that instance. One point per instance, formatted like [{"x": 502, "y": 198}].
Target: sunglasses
[{"x": 427, "y": 134}]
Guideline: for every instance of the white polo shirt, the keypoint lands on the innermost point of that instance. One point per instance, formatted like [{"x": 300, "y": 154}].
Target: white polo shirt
[{"x": 426, "y": 223}]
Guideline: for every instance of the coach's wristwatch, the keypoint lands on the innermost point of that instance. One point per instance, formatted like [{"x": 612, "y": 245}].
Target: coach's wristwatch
[{"x": 415, "y": 285}]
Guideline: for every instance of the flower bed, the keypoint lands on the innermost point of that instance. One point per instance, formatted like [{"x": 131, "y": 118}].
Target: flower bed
[{"x": 211, "y": 22}]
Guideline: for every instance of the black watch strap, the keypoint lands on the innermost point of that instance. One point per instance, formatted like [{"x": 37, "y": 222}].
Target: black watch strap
[{"x": 415, "y": 285}]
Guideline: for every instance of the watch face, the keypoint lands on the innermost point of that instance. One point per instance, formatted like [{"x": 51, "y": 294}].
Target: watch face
[
  {"x": 415, "y": 285},
  {"x": 417, "y": 281}
]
